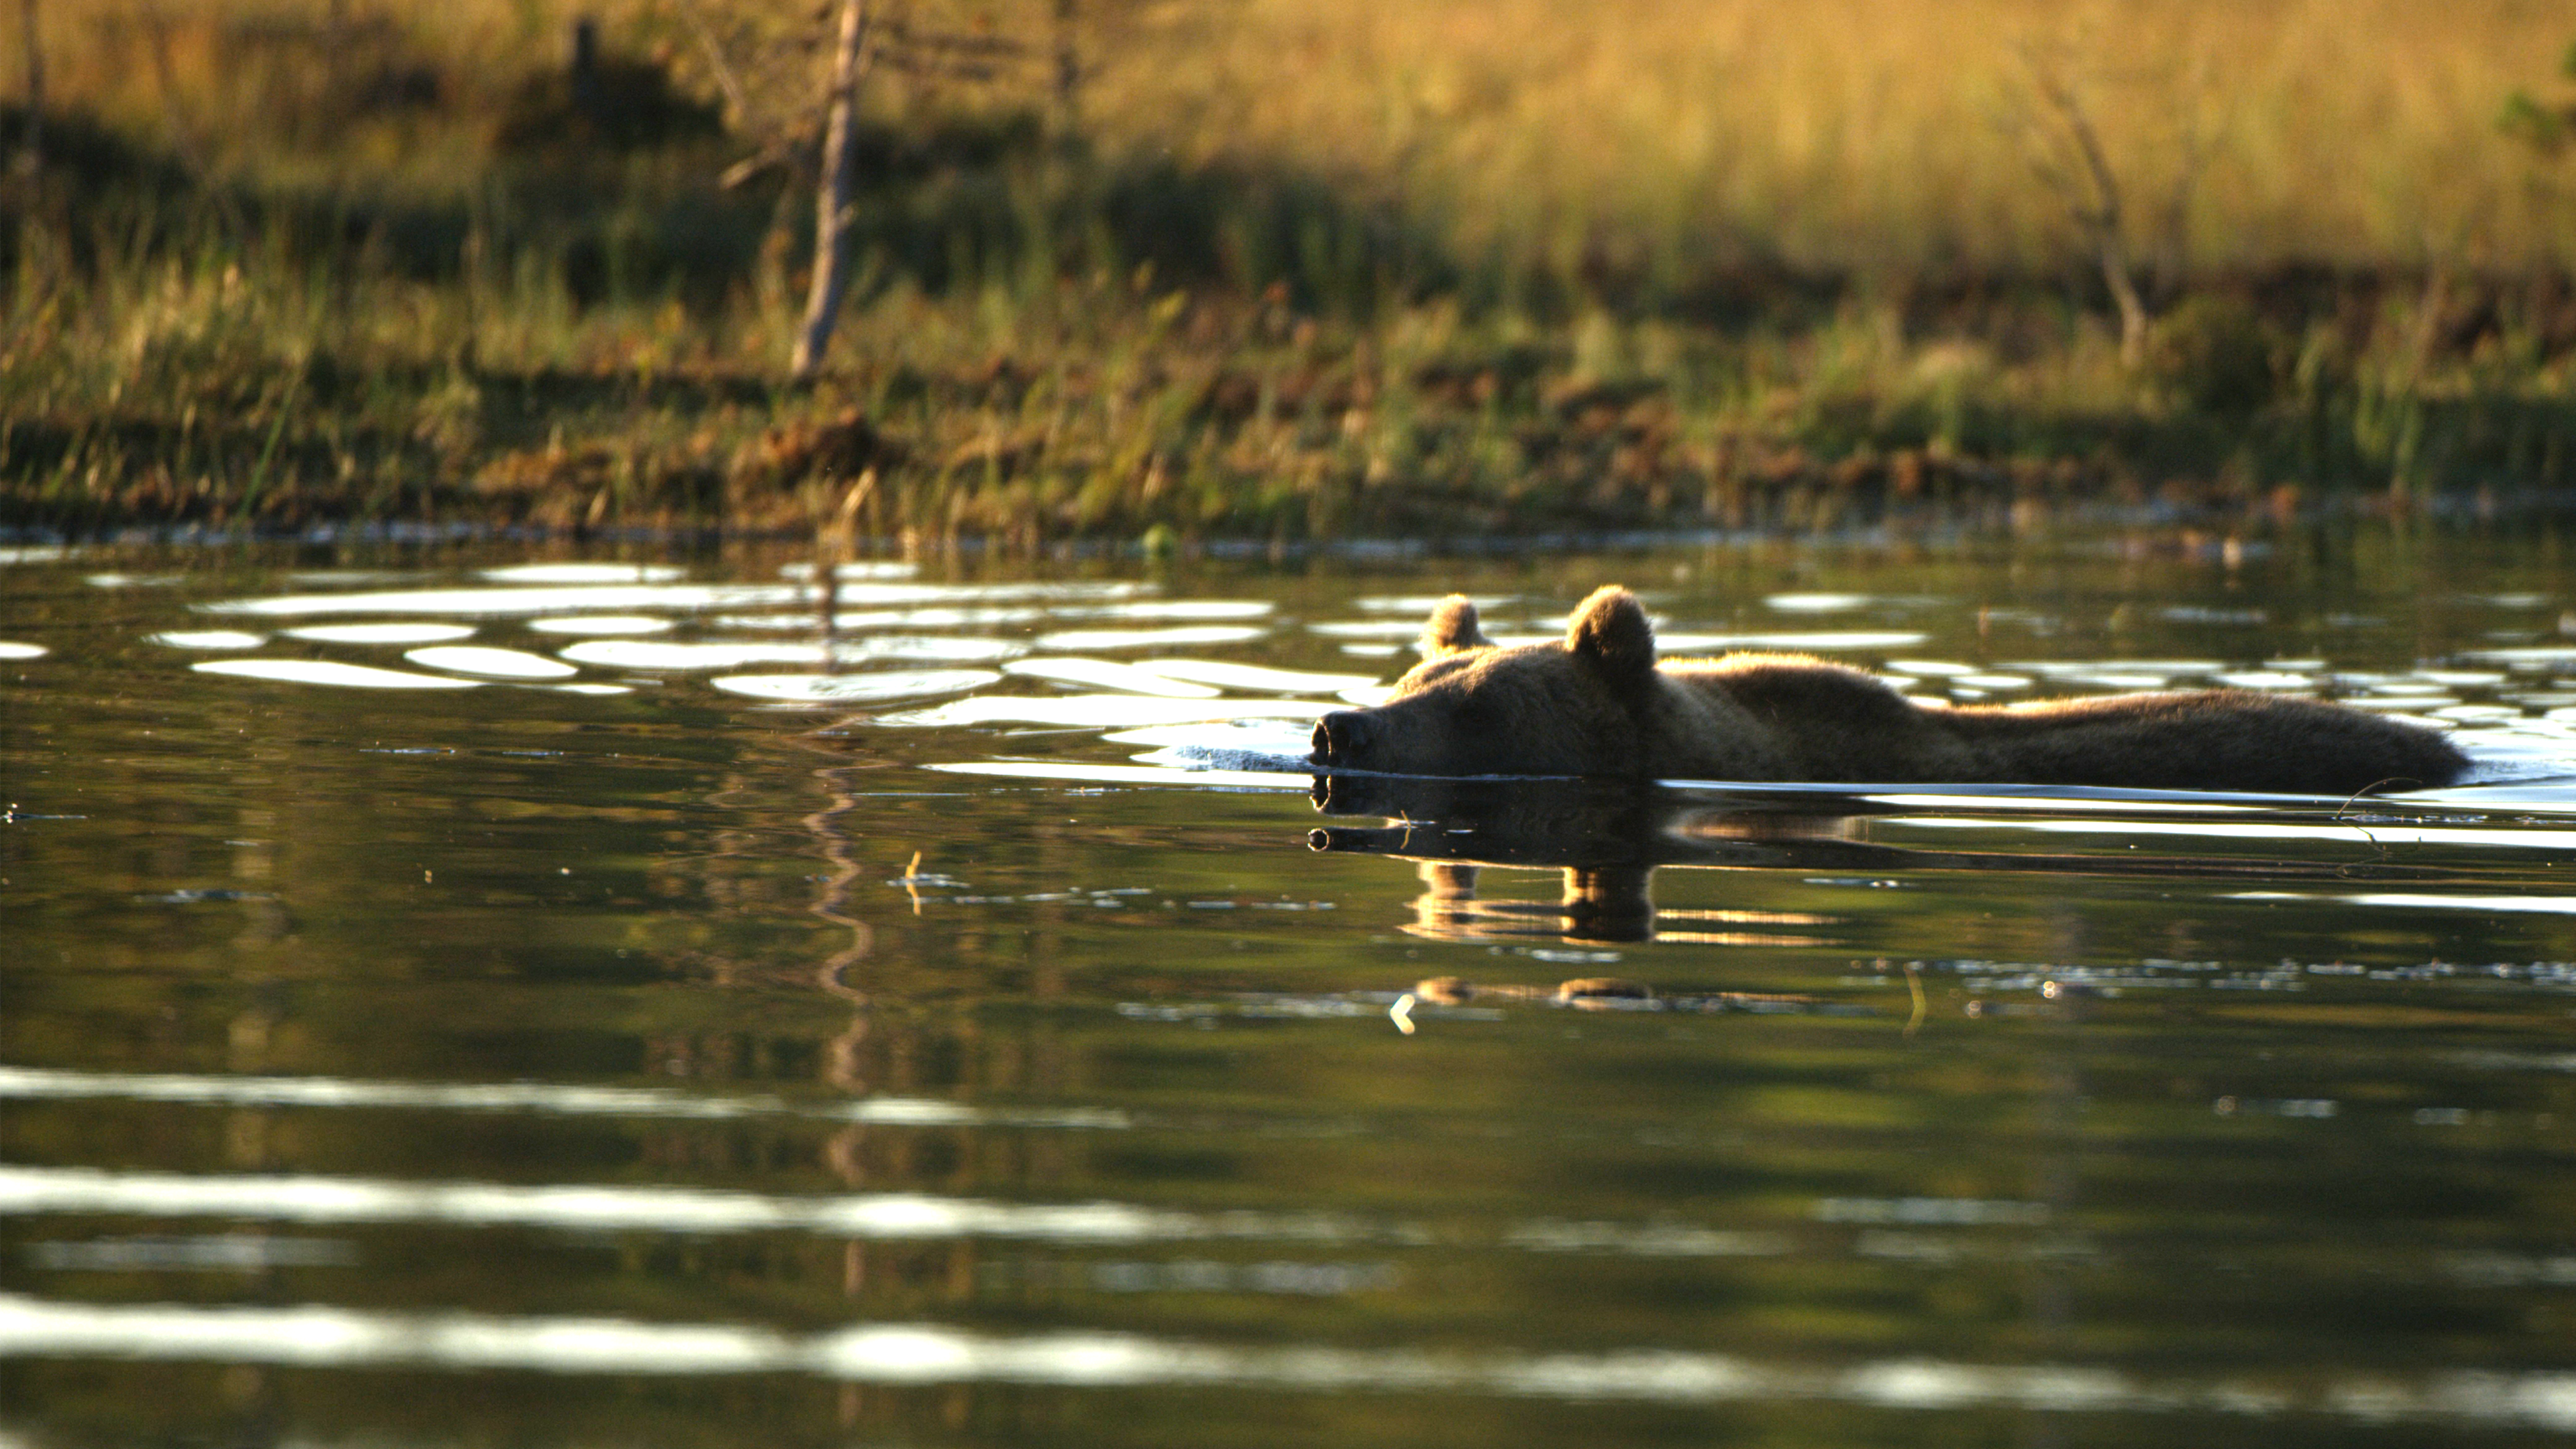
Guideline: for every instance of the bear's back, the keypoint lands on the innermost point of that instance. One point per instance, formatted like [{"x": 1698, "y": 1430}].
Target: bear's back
[{"x": 1830, "y": 721}]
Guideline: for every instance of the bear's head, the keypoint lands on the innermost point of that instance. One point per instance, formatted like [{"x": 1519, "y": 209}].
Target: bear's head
[{"x": 1474, "y": 708}]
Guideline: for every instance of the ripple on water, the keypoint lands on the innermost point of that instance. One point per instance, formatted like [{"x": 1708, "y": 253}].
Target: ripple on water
[
  {"x": 1101, "y": 711},
  {"x": 944, "y": 617},
  {"x": 582, "y": 573},
  {"x": 207, "y": 639},
  {"x": 876, "y": 569},
  {"x": 1107, "y": 674},
  {"x": 1254, "y": 677},
  {"x": 387, "y": 633},
  {"x": 1256, "y": 774},
  {"x": 2161, "y": 668},
  {"x": 941, "y": 648},
  {"x": 1271, "y": 746},
  {"x": 2123, "y": 679},
  {"x": 538, "y": 1097},
  {"x": 831, "y": 689},
  {"x": 344, "y": 578},
  {"x": 1817, "y": 603},
  {"x": 930, "y": 1352},
  {"x": 1061, "y": 593},
  {"x": 681, "y": 657},
  {"x": 1186, "y": 634},
  {"x": 2537, "y": 657},
  {"x": 985, "y": 616},
  {"x": 929, "y": 648},
  {"x": 2376, "y": 834},
  {"x": 497, "y": 603},
  {"x": 601, "y": 624},
  {"x": 1171, "y": 609},
  {"x": 491, "y": 663},
  {"x": 2424, "y": 901},
  {"x": 325, "y": 671},
  {"x": 1283, "y": 737}
]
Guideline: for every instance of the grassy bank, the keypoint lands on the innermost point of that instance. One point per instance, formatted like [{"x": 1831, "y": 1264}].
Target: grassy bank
[{"x": 1479, "y": 267}]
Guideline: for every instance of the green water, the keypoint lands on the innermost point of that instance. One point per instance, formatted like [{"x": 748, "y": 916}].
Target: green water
[{"x": 965, "y": 1061}]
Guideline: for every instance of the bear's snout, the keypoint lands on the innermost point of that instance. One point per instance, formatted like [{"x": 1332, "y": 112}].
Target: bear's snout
[{"x": 1341, "y": 736}]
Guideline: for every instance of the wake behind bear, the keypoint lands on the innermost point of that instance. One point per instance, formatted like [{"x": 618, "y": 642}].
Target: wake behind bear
[{"x": 1602, "y": 703}]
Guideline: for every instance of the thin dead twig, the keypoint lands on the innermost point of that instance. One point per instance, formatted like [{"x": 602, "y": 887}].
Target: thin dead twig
[{"x": 2090, "y": 190}]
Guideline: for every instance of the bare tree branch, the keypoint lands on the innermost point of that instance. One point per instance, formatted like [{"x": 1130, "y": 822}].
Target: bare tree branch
[
  {"x": 832, "y": 195},
  {"x": 1068, "y": 71},
  {"x": 2090, "y": 190},
  {"x": 31, "y": 154},
  {"x": 737, "y": 104}
]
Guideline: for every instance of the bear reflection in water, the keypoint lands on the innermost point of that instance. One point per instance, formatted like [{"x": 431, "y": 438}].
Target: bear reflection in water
[
  {"x": 1607, "y": 839},
  {"x": 1601, "y": 703}
]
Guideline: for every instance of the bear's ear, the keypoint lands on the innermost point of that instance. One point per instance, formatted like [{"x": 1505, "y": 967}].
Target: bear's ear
[
  {"x": 1610, "y": 633},
  {"x": 1452, "y": 629}
]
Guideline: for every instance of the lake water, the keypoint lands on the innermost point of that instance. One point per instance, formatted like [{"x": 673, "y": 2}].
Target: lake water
[{"x": 465, "y": 996}]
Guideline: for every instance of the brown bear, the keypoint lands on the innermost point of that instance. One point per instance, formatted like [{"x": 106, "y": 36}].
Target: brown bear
[{"x": 1602, "y": 704}]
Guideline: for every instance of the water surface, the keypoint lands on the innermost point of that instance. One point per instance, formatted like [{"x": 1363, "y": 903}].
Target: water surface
[{"x": 461, "y": 996}]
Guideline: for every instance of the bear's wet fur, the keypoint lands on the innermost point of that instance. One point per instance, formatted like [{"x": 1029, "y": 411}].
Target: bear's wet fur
[{"x": 1602, "y": 703}]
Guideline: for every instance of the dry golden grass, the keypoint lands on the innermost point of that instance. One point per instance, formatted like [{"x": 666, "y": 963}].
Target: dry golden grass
[
  {"x": 1871, "y": 133},
  {"x": 1653, "y": 137}
]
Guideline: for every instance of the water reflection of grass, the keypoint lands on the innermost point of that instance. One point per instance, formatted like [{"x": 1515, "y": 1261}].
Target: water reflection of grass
[{"x": 1476, "y": 269}]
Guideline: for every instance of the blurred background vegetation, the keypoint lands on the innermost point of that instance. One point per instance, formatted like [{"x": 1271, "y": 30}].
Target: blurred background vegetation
[{"x": 1255, "y": 267}]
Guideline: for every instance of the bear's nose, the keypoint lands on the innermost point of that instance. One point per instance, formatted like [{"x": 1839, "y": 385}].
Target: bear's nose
[{"x": 1340, "y": 736}]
